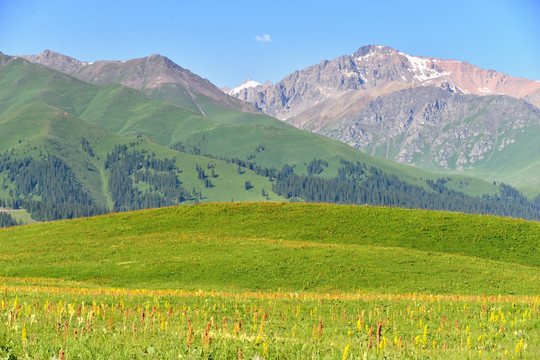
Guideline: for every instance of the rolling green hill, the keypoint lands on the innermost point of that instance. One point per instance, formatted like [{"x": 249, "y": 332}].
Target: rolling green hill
[
  {"x": 277, "y": 246},
  {"x": 271, "y": 280}
]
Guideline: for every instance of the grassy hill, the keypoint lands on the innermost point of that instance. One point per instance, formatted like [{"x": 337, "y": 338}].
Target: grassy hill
[
  {"x": 288, "y": 247},
  {"x": 271, "y": 280}
]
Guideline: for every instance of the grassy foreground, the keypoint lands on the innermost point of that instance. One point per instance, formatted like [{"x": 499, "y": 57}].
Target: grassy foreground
[
  {"x": 272, "y": 281},
  {"x": 47, "y": 320}
]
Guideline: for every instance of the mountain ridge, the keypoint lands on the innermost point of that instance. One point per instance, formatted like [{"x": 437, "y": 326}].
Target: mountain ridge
[
  {"x": 313, "y": 167},
  {"x": 155, "y": 75},
  {"x": 249, "y": 83},
  {"x": 369, "y": 68},
  {"x": 354, "y": 99}
]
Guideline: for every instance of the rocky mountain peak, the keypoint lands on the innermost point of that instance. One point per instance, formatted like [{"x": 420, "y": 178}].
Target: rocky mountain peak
[
  {"x": 428, "y": 112},
  {"x": 373, "y": 50},
  {"x": 378, "y": 69},
  {"x": 4, "y": 58},
  {"x": 160, "y": 59}
]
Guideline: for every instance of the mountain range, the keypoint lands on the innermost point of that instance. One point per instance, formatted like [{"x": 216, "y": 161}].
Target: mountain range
[
  {"x": 86, "y": 138},
  {"x": 438, "y": 115},
  {"x": 155, "y": 75}
]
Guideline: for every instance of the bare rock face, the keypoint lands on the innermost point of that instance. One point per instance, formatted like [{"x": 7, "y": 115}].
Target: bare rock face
[
  {"x": 373, "y": 67},
  {"x": 155, "y": 75},
  {"x": 432, "y": 128}
]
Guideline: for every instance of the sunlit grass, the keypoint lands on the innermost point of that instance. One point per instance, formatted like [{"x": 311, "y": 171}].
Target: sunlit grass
[
  {"x": 43, "y": 319},
  {"x": 271, "y": 281}
]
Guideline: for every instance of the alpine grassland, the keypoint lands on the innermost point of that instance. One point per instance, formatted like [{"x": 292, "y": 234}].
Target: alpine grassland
[{"x": 271, "y": 281}]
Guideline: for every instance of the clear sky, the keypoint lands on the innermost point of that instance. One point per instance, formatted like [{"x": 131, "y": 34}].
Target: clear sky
[{"x": 229, "y": 41}]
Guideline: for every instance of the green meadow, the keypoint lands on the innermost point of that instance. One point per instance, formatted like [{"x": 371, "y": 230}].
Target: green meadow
[{"x": 271, "y": 281}]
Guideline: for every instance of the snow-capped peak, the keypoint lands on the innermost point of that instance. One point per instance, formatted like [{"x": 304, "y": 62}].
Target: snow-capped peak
[{"x": 246, "y": 84}]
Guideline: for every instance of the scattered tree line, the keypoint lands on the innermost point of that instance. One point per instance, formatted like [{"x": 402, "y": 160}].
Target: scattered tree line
[
  {"x": 201, "y": 175},
  {"x": 46, "y": 187},
  {"x": 358, "y": 184},
  {"x": 48, "y": 211},
  {"x": 48, "y": 178},
  {"x": 316, "y": 166},
  {"x": 269, "y": 172},
  {"x": 139, "y": 180}
]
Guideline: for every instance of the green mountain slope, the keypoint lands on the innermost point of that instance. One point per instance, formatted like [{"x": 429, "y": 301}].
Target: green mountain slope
[
  {"x": 139, "y": 178},
  {"x": 23, "y": 83},
  {"x": 155, "y": 76},
  {"x": 40, "y": 131},
  {"x": 268, "y": 246},
  {"x": 127, "y": 112}
]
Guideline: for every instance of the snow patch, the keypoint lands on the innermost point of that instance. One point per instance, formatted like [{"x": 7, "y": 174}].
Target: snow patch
[
  {"x": 245, "y": 85},
  {"x": 484, "y": 90},
  {"x": 366, "y": 57},
  {"x": 421, "y": 70}
]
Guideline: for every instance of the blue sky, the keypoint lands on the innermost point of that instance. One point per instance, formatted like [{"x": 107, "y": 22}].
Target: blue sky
[{"x": 229, "y": 41}]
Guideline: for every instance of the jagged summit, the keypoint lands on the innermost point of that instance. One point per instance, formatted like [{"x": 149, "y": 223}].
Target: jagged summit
[
  {"x": 56, "y": 61},
  {"x": 367, "y": 49},
  {"x": 161, "y": 59},
  {"x": 381, "y": 69}
]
